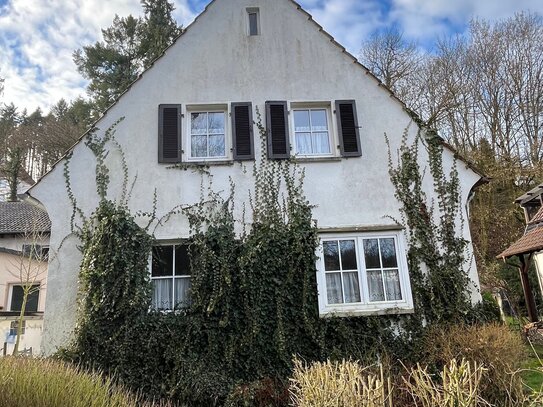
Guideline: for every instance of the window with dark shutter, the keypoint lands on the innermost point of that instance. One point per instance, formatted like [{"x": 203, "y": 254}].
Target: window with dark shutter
[
  {"x": 242, "y": 129},
  {"x": 349, "y": 137},
  {"x": 277, "y": 128},
  {"x": 169, "y": 133}
]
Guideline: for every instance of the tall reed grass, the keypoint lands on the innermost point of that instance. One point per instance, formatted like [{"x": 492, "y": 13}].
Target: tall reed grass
[{"x": 27, "y": 382}]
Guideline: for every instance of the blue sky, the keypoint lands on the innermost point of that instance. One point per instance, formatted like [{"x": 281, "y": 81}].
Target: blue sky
[{"x": 38, "y": 37}]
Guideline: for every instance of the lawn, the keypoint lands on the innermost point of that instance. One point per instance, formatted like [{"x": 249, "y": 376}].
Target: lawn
[{"x": 532, "y": 373}]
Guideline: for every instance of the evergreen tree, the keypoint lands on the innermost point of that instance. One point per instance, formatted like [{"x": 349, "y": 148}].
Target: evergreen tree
[
  {"x": 159, "y": 29},
  {"x": 129, "y": 46}
]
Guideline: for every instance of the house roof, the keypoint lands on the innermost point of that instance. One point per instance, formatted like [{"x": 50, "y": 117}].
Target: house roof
[
  {"x": 538, "y": 217},
  {"x": 379, "y": 83},
  {"x": 531, "y": 194},
  {"x": 531, "y": 242},
  {"x": 20, "y": 217}
]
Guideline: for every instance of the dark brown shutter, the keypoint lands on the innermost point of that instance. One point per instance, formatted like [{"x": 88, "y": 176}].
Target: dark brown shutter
[
  {"x": 347, "y": 124},
  {"x": 242, "y": 129},
  {"x": 169, "y": 133},
  {"x": 277, "y": 128}
]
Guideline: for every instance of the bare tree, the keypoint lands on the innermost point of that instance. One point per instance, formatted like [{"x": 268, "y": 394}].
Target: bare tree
[
  {"x": 393, "y": 60},
  {"x": 30, "y": 270}
]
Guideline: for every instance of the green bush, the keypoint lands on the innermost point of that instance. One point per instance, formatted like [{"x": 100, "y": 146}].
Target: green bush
[{"x": 26, "y": 382}]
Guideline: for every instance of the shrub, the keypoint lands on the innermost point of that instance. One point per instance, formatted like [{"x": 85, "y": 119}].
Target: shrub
[
  {"x": 459, "y": 385},
  {"x": 49, "y": 383},
  {"x": 345, "y": 384},
  {"x": 494, "y": 345}
]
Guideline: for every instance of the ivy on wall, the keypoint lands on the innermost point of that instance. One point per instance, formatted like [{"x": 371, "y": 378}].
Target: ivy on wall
[{"x": 254, "y": 294}]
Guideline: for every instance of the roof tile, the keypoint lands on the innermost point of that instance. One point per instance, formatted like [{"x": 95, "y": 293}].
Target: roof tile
[{"x": 21, "y": 217}]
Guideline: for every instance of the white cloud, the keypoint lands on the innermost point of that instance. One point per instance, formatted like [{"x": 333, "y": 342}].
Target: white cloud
[{"x": 39, "y": 37}]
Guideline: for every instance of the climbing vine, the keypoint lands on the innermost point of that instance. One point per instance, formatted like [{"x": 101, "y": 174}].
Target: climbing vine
[
  {"x": 253, "y": 284},
  {"x": 437, "y": 254}
]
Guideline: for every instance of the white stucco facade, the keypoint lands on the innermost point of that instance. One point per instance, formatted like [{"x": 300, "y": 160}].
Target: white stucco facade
[{"x": 214, "y": 63}]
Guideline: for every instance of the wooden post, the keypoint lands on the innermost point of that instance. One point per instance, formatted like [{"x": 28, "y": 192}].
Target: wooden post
[{"x": 527, "y": 288}]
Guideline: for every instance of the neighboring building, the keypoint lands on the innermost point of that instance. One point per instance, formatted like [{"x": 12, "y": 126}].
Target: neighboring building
[
  {"x": 530, "y": 245},
  {"x": 24, "y": 245},
  {"x": 196, "y": 106}
]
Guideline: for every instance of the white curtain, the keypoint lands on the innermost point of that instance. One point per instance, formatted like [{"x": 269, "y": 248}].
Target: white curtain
[
  {"x": 182, "y": 292},
  {"x": 392, "y": 285},
  {"x": 375, "y": 285},
  {"x": 333, "y": 288},
  {"x": 162, "y": 294},
  {"x": 303, "y": 143},
  {"x": 321, "y": 143},
  {"x": 352, "y": 288}
]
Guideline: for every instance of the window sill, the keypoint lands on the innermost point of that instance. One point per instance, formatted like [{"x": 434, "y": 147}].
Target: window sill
[
  {"x": 188, "y": 164},
  {"x": 366, "y": 311},
  {"x": 315, "y": 159}
]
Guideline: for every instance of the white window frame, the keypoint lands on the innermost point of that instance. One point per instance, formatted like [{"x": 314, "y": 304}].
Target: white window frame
[
  {"x": 297, "y": 106},
  {"x": 365, "y": 307},
  {"x": 173, "y": 277},
  {"x": 211, "y": 108}
]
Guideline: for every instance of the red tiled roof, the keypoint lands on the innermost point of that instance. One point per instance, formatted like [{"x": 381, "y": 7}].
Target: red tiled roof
[
  {"x": 538, "y": 218},
  {"x": 530, "y": 242}
]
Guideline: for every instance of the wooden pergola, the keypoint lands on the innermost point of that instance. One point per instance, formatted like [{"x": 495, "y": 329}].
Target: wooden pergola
[{"x": 529, "y": 244}]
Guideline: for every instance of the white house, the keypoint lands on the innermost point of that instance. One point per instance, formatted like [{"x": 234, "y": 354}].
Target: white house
[{"x": 197, "y": 105}]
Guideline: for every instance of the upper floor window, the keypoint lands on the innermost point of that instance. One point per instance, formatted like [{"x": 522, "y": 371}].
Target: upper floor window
[
  {"x": 363, "y": 274},
  {"x": 207, "y": 134},
  {"x": 170, "y": 276},
  {"x": 312, "y": 131},
  {"x": 253, "y": 21}
]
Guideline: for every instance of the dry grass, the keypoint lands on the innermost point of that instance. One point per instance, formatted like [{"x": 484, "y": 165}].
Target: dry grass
[
  {"x": 28, "y": 382},
  {"x": 458, "y": 386},
  {"x": 496, "y": 346},
  {"x": 339, "y": 384}
]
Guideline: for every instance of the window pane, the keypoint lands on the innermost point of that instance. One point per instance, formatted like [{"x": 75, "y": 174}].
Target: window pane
[
  {"x": 216, "y": 123},
  {"x": 352, "y": 288},
  {"x": 216, "y": 145},
  {"x": 392, "y": 285},
  {"x": 198, "y": 147},
  {"x": 388, "y": 253},
  {"x": 303, "y": 143},
  {"x": 318, "y": 120},
  {"x": 331, "y": 256},
  {"x": 182, "y": 260},
  {"x": 162, "y": 294},
  {"x": 162, "y": 264},
  {"x": 348, "y": 255},
  {"x": 321, "y": 143},
  {"x": 301, "y": 120},
  {"x": 16, "y": 298},
  {"x": 198, "y": 123},
  {"x": 33, "y": 299},
  {"x": 253, "y": 24},
  {"x": 375, "y": 286},
  {"x": 333, "y": 288},
  {"x": 182, "y": 292},
  {"x": 371, "y": 254}
]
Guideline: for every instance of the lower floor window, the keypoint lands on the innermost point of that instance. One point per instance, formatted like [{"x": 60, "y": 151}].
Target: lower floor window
[
  {"x": 170, "y": 276},
  {"x": 364, "y": 272},
  {"x": 13, "y": 326},
  {"x": 18, "y": 296}
]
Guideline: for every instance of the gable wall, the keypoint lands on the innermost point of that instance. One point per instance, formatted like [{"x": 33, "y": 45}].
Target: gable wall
[{"x": 216, "y": 62}]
